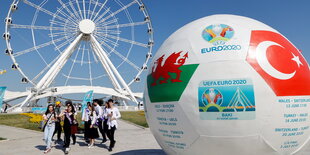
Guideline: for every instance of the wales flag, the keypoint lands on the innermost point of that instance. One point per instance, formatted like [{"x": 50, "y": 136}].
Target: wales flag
[
  {"x": 87, "y": 98},
  {"x": 2, "y": 90},
  {"x": 170, "y": 87}
]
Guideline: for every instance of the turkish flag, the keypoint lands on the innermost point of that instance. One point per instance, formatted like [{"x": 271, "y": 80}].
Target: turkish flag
[{"x": 279, "y": 63}]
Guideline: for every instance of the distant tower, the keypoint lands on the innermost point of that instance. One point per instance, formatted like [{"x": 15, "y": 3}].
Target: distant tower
[{"x": 240, "y": 99}]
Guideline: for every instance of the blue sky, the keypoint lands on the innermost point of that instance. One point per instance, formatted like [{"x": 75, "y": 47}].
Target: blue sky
[{"x": 291, "y": 18}]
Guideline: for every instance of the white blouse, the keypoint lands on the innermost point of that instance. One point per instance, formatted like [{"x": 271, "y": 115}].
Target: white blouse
[
  {"x": 93, "y": 118},
  {"x": 86, "y": 114},
  {"x": 49, "y": 120},
  {"x": 115, "y": 114}
]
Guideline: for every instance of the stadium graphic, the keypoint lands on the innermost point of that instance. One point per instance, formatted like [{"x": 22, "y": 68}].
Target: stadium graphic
[{"x": 235, "y": 97}]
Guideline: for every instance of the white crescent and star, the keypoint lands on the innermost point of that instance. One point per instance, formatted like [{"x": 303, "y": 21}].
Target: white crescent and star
[{"x": 261, "y": 57}]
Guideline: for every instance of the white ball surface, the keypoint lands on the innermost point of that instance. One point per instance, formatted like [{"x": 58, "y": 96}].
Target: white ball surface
[{"x": 227, "y": 84}]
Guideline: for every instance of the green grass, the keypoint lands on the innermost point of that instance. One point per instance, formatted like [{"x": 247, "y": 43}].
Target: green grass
[
  {"x": 136, "y": 117},
  {"x": 21, "y": 121},
  {"x": 17, "y": 120},
  {"x": 2, "y": 138}
]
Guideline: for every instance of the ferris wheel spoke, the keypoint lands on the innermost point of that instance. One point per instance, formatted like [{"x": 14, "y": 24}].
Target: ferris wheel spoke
[
  {"x": 63, "y": 44},
  {"x": 17, "y": 26},
  {"x": 75, "y": 78},
  {"x": 45, "y": 68},
  {"x": 126, "y": 25},
  {"x": 106, "y": 40},
  {"x": 127, "y": 40},
  {"x": 67, "y": 9},
  {"x": 43, "y": 10},
  {"x": 55, "y": 34},
  {"x": 126, "y": 60},
  {"x": 89, "y": 6},
  {"x": 115, "y": 20},
  {"x": 102, "y": 15},
  {"x": 73, "y": 63},
  {"x": 96, "y": 4},
  {"x": 79, "y": 8},
  {"x": 40, "y": 55},
  {"x": 109, "y": 32},
  {"x": 57, "y": 23},
  {"x": 37, "y": 47},
  {"x": 112, "y": 50},
  {"x": 95, "y": 58},
  {"x": 100, "y": 76},
  {"x": 118, "y": 11},
  {"x": 74, "y": 10},
  {"x": 101, "y": 7},
  {"x": 71, "y": 18},
  {"x": 84, "y": 9}
]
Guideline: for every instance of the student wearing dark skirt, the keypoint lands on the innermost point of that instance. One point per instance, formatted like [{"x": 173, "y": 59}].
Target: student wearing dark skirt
[
  {"x": 92, "y": 132},
  {"x": 113, "y": 114},
  {"x": 69, "y": 118},
  {"x": 86, "y": 118}
]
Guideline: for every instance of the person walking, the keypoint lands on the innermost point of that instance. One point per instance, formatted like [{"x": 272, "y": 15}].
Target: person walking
[
  {"x": 99, "y": 113},
  {"x": 74, "y": 126},
  {"x": 49, "y": 117},
  {"x": 92, "y": 132},
  {"x": 58, "y": 128},
  {"x": 86, "y": 117},
  {"x": 69, "y": 118},
  {"x": 113, "y": 114},
  {"x": 105, "y": 118}
]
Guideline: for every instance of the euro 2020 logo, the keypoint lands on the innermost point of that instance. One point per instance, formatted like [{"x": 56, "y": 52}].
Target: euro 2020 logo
[{"x": 218, "y": 34}]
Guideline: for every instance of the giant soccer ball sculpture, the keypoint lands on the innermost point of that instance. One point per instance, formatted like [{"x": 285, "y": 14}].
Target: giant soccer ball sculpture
[{"x": 227, "y": 84}]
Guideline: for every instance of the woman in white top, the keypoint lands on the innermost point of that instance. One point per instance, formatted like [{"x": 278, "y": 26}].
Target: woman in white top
[
  {"x": 86, "y": 118},
  {"x": 92, "y": 132},
  {"x": 113, "y": 114},
  {"x": 49, "y": 117}
]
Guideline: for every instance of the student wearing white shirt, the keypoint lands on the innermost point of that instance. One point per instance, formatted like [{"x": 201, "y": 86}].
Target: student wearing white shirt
[
  {"x": 92, "y": 132},
  {"x": 99, "y": 113},
  {"x": 113, "y": 114},
  {"x": 86, "y": 117}
]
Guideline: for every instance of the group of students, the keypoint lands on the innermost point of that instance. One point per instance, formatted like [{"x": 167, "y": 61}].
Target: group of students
[{"x": 94, "y": 117}]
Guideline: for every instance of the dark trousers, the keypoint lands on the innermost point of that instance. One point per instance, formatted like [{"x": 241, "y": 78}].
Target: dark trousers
[
  {"x": 101, "y": 130},
  {"x": 105, "y": 127},
  {"x": 57, "y": 130},
  {"x": 86, "y": 130},
  {"x": 73, "y": 138},
  {"x": 67, "y": 131},
  {"x": 110, "y": 135}
]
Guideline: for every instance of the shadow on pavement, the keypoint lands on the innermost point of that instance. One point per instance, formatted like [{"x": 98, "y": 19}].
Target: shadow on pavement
[
  {"x": 41, "y": 147},
  {"x": 82, "y": 143},
  {"x": 142, "y": 152}
]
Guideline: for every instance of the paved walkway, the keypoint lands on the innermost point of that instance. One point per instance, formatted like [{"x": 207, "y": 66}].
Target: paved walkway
[{"x": 131, "y": 140}]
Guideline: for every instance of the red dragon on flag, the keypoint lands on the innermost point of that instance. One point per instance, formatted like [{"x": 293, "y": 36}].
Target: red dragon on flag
[{"x": 171, "y": 65}]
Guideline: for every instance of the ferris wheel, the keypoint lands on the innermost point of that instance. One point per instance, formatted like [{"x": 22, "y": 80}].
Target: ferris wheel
[{"x": 79, "y": 42}]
